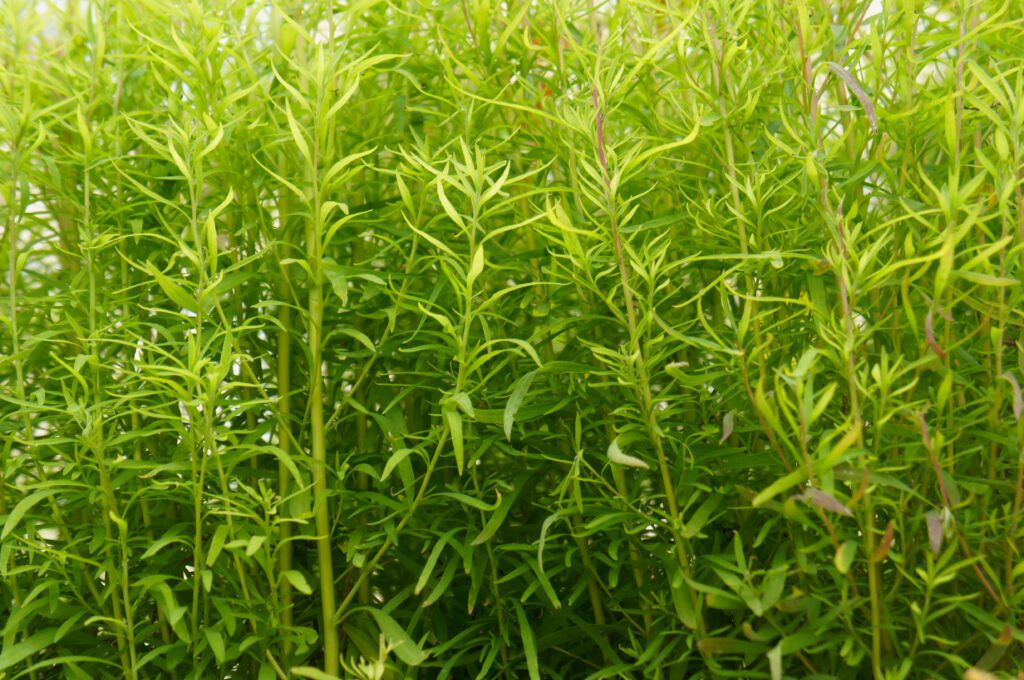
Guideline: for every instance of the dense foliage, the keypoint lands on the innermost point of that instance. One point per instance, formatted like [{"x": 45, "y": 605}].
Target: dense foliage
[{"x": 561, "y": 339}]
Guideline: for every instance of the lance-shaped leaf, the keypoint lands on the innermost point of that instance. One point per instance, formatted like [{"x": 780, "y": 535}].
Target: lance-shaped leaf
[{"x": 616, "y": 456}]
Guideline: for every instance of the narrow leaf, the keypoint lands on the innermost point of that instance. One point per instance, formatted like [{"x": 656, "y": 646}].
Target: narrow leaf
[
  {"x": 616, "y": 456},
  {"x": 827, "y": 502},
  {"x": 934, "y": 522},
  {"x": 515, "y": 400},
  {"x": 884, "y": 545},
  {"x": 454, "y": 420},
  {"x": 529, "y": 644},
  {"x": 23, "y": 506},
  {"x": 858, "y": 91},
  {"x": 406, "y": 648}
]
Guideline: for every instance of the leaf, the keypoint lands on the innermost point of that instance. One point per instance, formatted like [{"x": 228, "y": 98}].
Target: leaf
[
  {"x": 23, "y": 506},
  {"x": 515, "y": 400},
  {"x": 220, "y": 535},
  {"x": 496, "y": 519},
  {"x": 462, "y": 400},
  {"x": 18, "y": 652},
  {"x": 476, "y": 266},
  {"x": 297, "y": 136},
  {"x": 449, "y": 209},
  {"x": 83, "y": 129},
  {"x": 529, "y": 644},
  {"x": 934, "y": 522},
  {"x": 1018, "y": 401},
  {"x": 173, "y": 291},
  {"x": 216, "y": 641},
  {"x": 441, "y": 587},
  {"x": 542, "y": 541},
  {"x": 428, "y": 567},
  {"x": 395, "y": 458},
  {"x": 358, "y": 336},
  {"x": 454, "y": 421},
  {"x": 827, "y": 502},
  {"x": 885, "y": 545},
  {"x": 844, "y": 556},
  {"x": 858, "y": 91},
  {"x": 176, "y": 157},
  {"x": 728, "y": 420},
  {"x": 775, "y": 662},
  {"x": 616, "y": 456},
  {"x": 778, "y": 486},
  {"x": 986, "y": 279},
  {"x": 161, "y": 543},
  {"x": 337, "y": 278},
  {"x": 298, "y": 581},
  {"x": 255, "y": 542},
  {"x": 218, "y": 136},
  {"x": 406, "y": 648},
  {"x": 701, "y": 515}
]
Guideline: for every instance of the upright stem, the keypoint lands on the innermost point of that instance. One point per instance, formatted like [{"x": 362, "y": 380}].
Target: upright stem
[
  {"x": 284, "y": 389},
  {"x": 318, "y": 439},
  {"x": 642, "y": 385}
]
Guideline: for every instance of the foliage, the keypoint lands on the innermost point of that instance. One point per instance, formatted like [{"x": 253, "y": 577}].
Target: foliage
[{"x": 562, "y": 339}]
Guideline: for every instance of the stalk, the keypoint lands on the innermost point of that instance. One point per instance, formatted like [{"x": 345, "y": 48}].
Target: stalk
[
  {"x": 318, "y": 438},
  {"x": 122, "y": 611},
  {"x": 284, "y": 388},
  {"x": 642, "y": 384}
]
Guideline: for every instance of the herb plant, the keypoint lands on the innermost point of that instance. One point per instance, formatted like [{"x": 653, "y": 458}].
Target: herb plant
[{"x": 562, "y": 339}]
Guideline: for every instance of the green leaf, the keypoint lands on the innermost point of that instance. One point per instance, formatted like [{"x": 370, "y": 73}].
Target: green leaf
[
  {"x": 431, "y": 562},
  {"x": 616, "y": 456},
  {"x": 171, "y": 289},
  {"x": 476, "y": 266},
  {"x": 220, "y": 535},
  {"x": 297, "y": 136},
  {"x": 255, "y": 542},
  {"x": 795, "y": 477},
  {"x": 452, "y": 213},
  {"x": 775, "y": 662},
  {"x": 454, "y": 421},
  {"x": 23, "y": 506},
  {"x": 529, "y": 644},
  {"x": 462, "y": 400},
  {"x": 395, "y": 458},
  {"x": 844, "y": 556},
  {"x": 496, "y": 519},
  {"x": 216, "y": 641},
  {"x": 406, "y": 648},
  {"x": 298, "y": 581},
  {"x": 337, "y": 278},
  {"x": 178, "y": 161},
  {"x": 19, "y": 651},
  {"x": 515, "y": 400}
]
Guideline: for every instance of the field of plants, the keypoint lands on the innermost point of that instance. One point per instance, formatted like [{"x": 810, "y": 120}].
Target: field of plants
[{"x": 567, "y": 339}]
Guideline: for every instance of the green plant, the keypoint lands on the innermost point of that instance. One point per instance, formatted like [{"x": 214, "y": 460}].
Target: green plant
[{"x": 569, "y": 339}]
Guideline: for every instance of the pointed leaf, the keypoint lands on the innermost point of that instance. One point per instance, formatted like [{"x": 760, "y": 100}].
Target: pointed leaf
[
  {"x": 616, "y": 456},
  {"x": 515, "y": 400},
  {"x": 406, "y": 648}
]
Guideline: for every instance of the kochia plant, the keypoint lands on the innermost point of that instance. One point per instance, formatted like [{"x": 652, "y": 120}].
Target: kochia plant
[{"x": 563, "y": 339}]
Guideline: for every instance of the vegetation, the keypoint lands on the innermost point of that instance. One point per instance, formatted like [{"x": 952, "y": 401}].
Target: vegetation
[{"x": 475, "y": 339}]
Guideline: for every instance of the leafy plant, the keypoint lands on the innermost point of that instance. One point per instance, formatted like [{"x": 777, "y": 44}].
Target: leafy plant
[{"x": 391, "y": 339}]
